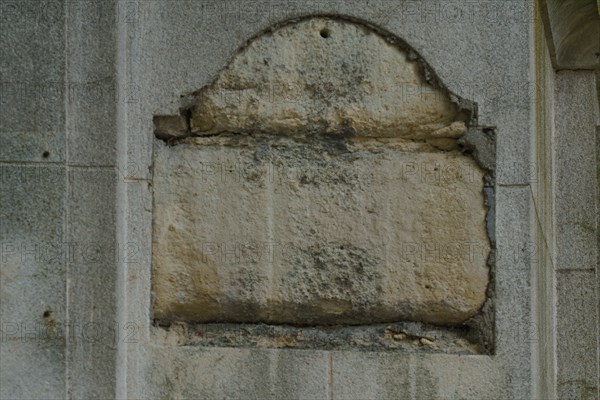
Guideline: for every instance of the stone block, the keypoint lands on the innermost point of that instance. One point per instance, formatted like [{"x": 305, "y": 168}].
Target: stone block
[
  {"x": 248, "y": 230},
  {"x": 409, "y": 376},
  {"x": 341, "y": 196},
  {"x": 575, "y": 167},
  {"x": 92, "y": 276},
  {"x": 193, "y": 372},
  {"x": 33, "y": 369},
  {"x": 33, "y": 257},
  {"x": 92, "y": 99},
  {"x": 34, "y": 252},
  {"x": 32, "y": 87},
  {"x": 577, "y": 334}
]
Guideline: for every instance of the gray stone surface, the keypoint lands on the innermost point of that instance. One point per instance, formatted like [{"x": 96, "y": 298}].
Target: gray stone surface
[
  {"x": 176, "y": 50},
  {"x": 577, "y": 327},
  {"x": 194, "y": 372},
  {"x": 135, "y": 228},
  {"x": 481, "y": 50},
  {"x": 32, "y": 281},
  {"x": 515, "y": 329},
  {"x": 33, "y": 255},
  {"x": 576, "y": 184},
  {"x": 91, "y": 79},
  {"x": 33, "y": 369},
  {"x": 409, "y": 376},
  {"x": 32, "y": 88},
  {"x": 92, "y": 275},
  {"x": 91, "y": 113},
  {"x": 445, "y": 33}
]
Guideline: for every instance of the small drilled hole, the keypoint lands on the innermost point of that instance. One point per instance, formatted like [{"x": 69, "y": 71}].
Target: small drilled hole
[
  {"x": 46, "y": 154},
  {"x": 325, "y": 33}
]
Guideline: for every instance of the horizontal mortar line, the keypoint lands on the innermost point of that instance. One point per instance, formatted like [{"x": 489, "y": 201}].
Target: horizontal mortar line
[
  {"x": 518, "y": 185},
  {"x": 54, "y": 163},
  {"x": 57, "y": 81},
  {"x": 33, "y": 163},
  {"x": 91, "y": 166},
  {"x": 57, "y": 133},
  {"x": 575, "y": 269},
  {"x": 136, "y": 180},
  {"x": 570, "y": 69}
]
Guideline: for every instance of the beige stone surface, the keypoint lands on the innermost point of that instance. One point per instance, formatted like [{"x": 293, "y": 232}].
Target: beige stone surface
[
  {"x": 294, "y": 81},
  {"x": 325, "y": 186},
  {"x": 256, "y": 229}
]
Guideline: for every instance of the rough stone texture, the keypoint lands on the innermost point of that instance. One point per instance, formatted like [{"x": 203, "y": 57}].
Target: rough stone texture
[
  {"x": 322, "y": 230},
  {"x": 32, "y": 200},
  {"x": 578, "y": 368},
  {"x": 326, "y": 75},
  {"x": 170, "y": 126},
  {"x": 576, "y": 235},
  {"x": 91, "y": 216},
  {"x": 32, "y": 87},
  {"x": 414, "y": 337},
  {"x": 515, "y": 330},
  {"x": 194, "y": 372},
  {"x": 32, "y": 279},
  {"x": 414, "y": 376},
  {"x": 57, "y": 107},
  {"x": 91, "y": 82},
  {"x": 32, "y": 369},
  {"x": 481, "y": 50},
  {"x": 250, "y": 229},
  {"x": 575, "y": 182},
  {"x": 173, "y": 50}
]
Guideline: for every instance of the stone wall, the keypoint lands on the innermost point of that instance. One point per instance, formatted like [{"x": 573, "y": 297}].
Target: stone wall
[{"x": 85, "y": 85}]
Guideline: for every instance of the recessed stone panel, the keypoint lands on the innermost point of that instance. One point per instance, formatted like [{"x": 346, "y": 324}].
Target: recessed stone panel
[{"x": 320, "y": 180}]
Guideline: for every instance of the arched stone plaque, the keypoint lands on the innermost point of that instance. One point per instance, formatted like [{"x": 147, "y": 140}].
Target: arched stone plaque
[{"x": 320, "y": 179}]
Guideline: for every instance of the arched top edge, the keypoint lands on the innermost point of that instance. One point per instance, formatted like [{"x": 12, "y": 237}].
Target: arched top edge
[
  {"x": 328, "y": 74},
  {"x": 393, "y": 39}
]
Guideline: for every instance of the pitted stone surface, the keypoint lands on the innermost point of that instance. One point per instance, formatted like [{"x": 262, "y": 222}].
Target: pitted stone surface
[
  {"x": 278, "y": 231},
  {"x": 319, "y": 75},
  {"x": 337, "y": 200}
]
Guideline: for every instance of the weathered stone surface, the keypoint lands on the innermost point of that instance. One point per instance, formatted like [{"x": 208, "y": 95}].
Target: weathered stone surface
[
  {"x": 255, "y": 229},
  {"x": 318, "y": 75},
  {"x": 349, "y": 203},
  {"x": 170, "y": 126}
]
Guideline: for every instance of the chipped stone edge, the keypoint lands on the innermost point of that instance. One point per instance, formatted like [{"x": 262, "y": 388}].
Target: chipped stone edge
[
  {"x": 479, "y": 143},
  {"x": 466, "y": 109}
]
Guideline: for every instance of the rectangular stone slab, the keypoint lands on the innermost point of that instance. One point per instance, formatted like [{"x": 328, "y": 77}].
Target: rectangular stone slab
[{"x": 283, "y": 231}]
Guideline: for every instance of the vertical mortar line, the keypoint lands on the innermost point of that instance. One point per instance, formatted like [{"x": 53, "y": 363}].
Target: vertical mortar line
[
  {"x": 597, "y": 266},
  {"x": 67, "y": 190},
  {"x": 388, "y": 180},
  {"x": 271, "y": 240},
  {"x": 330, "y": 376},
  {"x": 122, "y": 206},
  {"x": 553, "y": 242},
  {"x": 273, "y": 357},
  {"x": 536, "y": 74},
  {"x": 411, "y": 379},
  {"x": 389, "y": 176}
]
